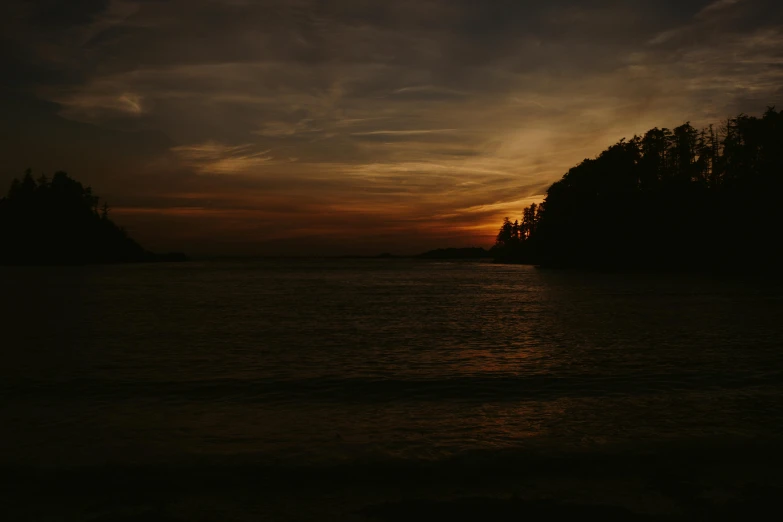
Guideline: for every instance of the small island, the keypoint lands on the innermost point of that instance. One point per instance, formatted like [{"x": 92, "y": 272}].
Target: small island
[{"x": 61, "y": 222}]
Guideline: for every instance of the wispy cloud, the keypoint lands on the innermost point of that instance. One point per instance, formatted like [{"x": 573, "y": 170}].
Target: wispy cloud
[
  {"x": 413, "y": 132},
  {"x": 422, "y": 122},
  {"x": 717, "y": 5},
  {"x": 217, "y": 158},
  {"x": 431, "y": 92}
]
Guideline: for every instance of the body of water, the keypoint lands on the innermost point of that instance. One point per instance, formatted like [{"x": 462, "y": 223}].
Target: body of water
[{"x": 367, "y": 366}]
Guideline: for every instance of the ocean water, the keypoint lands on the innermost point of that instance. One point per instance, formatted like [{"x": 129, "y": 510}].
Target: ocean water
[{"x": 366, "y": 366}]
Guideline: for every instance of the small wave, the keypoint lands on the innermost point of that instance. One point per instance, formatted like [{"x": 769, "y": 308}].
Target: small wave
[{"x": 374, "y": 390}]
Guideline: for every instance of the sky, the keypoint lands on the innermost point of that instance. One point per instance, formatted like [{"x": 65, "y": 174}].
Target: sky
[{"x": 335, "y": 127}]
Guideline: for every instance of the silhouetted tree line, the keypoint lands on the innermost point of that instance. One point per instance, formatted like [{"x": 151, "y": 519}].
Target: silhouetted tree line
[
  {"x": 59, "y": 221},
  {"x": 682, "y": 198}
]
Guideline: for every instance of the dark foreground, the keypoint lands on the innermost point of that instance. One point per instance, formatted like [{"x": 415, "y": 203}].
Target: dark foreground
[{"x": 728, "y": 482}]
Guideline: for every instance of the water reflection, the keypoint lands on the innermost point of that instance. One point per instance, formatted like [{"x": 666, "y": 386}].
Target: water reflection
[{"x": 334, "y": 361}]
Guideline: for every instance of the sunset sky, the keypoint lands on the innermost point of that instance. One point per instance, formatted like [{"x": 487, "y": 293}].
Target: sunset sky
[{"x": 346, "y": 126}]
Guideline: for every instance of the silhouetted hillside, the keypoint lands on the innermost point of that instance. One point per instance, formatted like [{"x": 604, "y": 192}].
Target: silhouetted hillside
[
  {"x": 683, "y": 198},
  {"x": 47, "y": 222}
]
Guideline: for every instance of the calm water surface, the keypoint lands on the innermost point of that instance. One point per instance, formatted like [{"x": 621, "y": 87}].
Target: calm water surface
[{"x": 301, "y": 362}]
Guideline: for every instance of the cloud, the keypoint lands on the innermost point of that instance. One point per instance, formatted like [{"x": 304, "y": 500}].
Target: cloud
[
  {"x": 407, "y": 120},
  {"x": 216, "y": 158},
  {"x": 403, "y": 132},
  {"x": 717, "y": 5},
  {"x": 99, "y": 106}
]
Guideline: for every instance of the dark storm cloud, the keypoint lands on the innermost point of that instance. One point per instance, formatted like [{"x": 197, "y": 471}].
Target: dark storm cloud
[{"x": 414, "y": 117}]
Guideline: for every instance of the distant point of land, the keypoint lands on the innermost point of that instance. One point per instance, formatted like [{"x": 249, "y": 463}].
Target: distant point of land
[
  {"x": 457, "y": 253},
  {"x": 439, "y": 253}
]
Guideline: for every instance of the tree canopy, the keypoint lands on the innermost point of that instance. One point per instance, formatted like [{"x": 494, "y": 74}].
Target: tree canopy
[
  {"x": 59, "y": 221},
  {"x": 685, "y": 197}
]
